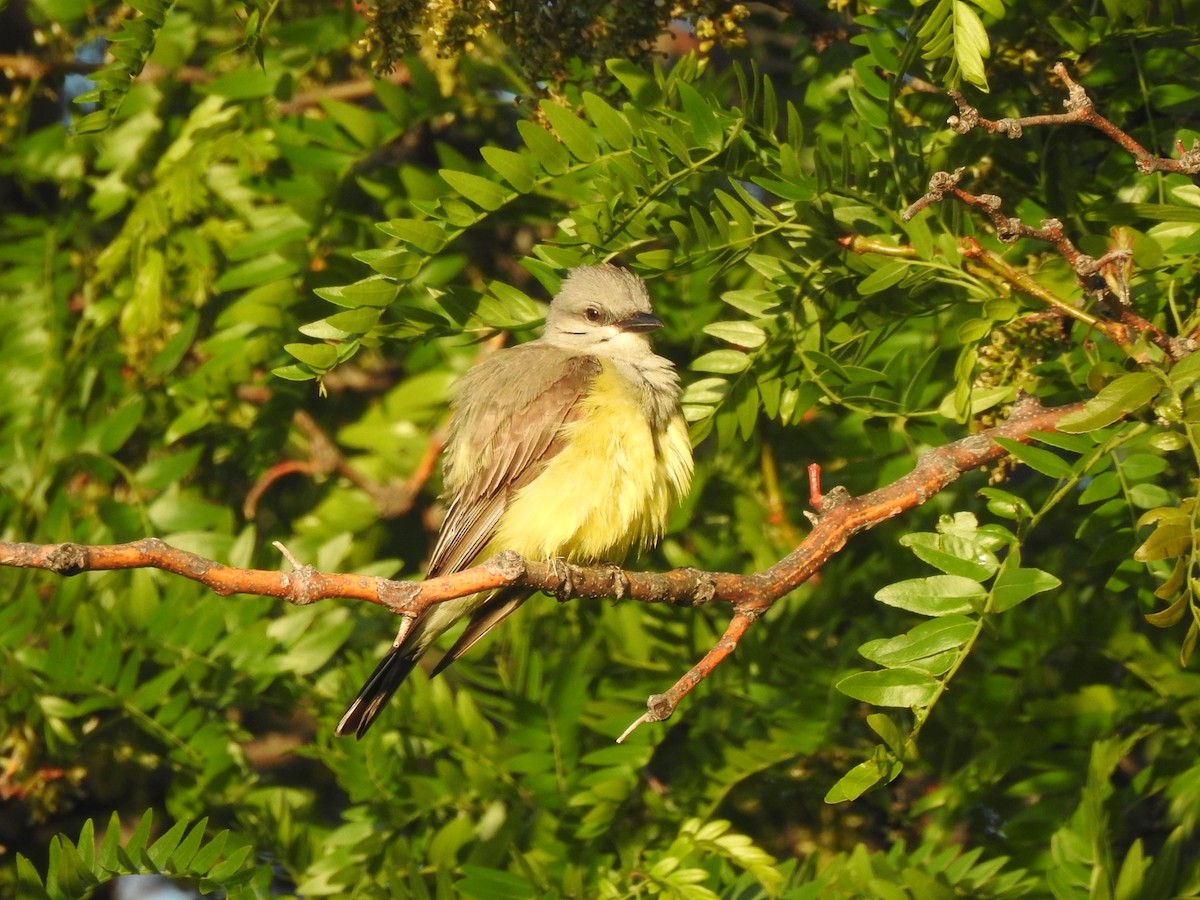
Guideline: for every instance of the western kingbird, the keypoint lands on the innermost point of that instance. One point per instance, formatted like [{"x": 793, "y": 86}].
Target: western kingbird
[{"x": 571, "y": 446}]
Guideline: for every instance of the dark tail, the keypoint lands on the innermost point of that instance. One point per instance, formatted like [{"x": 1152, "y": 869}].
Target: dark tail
[{"x": 388, "y": 675}]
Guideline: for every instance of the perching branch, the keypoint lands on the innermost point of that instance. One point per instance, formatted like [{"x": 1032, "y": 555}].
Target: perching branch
[{"x": 839, "y": 518}]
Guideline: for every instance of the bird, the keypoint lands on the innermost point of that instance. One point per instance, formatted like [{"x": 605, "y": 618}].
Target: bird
[{"x": 572, "y": 446}]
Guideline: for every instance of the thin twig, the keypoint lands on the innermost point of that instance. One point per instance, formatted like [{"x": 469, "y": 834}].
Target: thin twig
[
  {"x": 1123, "y": 332},
  {"x": 1080, "y": 110}
]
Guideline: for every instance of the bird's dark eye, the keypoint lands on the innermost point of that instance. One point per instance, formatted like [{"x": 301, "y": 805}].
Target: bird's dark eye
[{"x": 592, "y": 314}]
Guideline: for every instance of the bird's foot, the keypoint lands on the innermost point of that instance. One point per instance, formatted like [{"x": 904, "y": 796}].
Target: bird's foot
[{"x": 566, "y": 583}]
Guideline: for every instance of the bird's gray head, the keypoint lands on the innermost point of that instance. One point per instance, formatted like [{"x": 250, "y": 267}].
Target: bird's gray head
[{"x": 602, "y": 310}]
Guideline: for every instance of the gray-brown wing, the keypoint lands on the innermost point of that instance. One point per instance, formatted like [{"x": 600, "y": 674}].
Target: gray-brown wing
[
  {"x": 516, "y": 436},
  {"x": 497, "y": 608}
]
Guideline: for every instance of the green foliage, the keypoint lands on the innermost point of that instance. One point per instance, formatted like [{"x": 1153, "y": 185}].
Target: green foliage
[
  {"x": 953, "y": 31},
  {"x": 131, "y": 45},
  {"x": 919, "y": 664},
  {"x": 181, "y": 852},
  {"x": 976, "y": 683}
]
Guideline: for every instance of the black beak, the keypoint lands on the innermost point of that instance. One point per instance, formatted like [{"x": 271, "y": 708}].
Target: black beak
[{"x": 640, "y": 322}]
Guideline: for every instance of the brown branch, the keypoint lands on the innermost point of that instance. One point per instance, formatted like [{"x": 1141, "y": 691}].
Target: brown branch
[
  {"x": 1010, "y": 229},
  {"x": 391, "y": 499},
  {"x": 21, "y": 66},
  {"x": 1113, "y": 265},
  {"x": 841, "y": 517},
  {"x": 1081, "y": 111}
]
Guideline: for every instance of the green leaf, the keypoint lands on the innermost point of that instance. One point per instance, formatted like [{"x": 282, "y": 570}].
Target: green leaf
[
  {"x": 863, "y": 777},
  {"x": 552, "y": 156},
  {"x": 268, "y": 267},
  {"x": 971, "y": 45},
  {"x": 574, "y": 132},
  {"x": 937, "y": 595},
  {"x": 1006, "y": 505},
  {"x": 355, "y": 120},
  {"x": 797, "y": 187},
  {"x": 343, "y": 325},
  {"x": 512, "y": 167},
  {"x": 883, "y": 725},
  {"x": 612, "y": 125},
  {"x": 119, "y": 425},
  {"x": 29, "y": 883},
  {"x": 1043, "y": 461},
  {"x": 135, "y": 844},
  {"x": 375, "y": 291},
  {"x": 889, "y": 274},
  {"x": 657, "y": 259},
  {"x": 232, "y": 864},
  {"x": 709, "y": 391},
  {"x": 160, "y": 851},
  {"x": 1116, "y": 400},
  {"x": 399, "y": 263},
  {"x": 640, "y": 83},
  {"x": 1132, "y": 876},
  {"x": 181, "y": 859},
  {"x": 900, "y": 687},
  {"x": 740, "y": 334},
  {"x": 705, "y": 126},
  {"x": 1172, "y": 615},
  {"x": 953, "y": 554},
  {"x": 428, "y": 237},
  {"x": 320, "y": 356},
  {"x": 751, "y": 301},
  {"x": 1015, "y": 585},
  {"x": 1169, "y": 540},
  {"x": 293, "y": 373},
  {"x": 722, "y": 362},
  {"x": 483, "y": 193},
  {"x": 1185, "y": 372},
  {"x": 927, "y": 639},
  {"x": 484, "y": 884}
]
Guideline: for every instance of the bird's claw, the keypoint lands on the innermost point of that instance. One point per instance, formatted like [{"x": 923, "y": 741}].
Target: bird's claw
[{"x": 566, "y": 584}]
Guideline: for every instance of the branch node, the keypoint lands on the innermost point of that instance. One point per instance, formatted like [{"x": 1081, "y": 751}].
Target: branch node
[
  {"x": 659, "y": 708},
  {"x": 837, "y": 496},
  {"x": 939, "y": 184},
  {"x": 301, "y": 591},
  {"x": 706, "y": 587},
  {"x": 1086, "y": 266},
  {"x": 68, "y": 560},
  {"x": 1190, "y": 159},
  {"x": 509, "y": 565},
  {"x": 1010, "y": 128},
  {"x": 1008, "y": 229},
  {"x": 944, "y": 181},
  {"x": 287, "y": 554},
  {"x": 968, "y": 116},
  {"x": 399, "y": 596}
]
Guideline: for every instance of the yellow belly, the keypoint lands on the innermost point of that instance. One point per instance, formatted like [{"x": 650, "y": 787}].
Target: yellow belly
[{"x": 610, "y": 488}]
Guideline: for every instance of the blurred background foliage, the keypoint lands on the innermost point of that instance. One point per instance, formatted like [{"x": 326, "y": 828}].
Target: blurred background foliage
[{"x": 238, "y": 281}]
